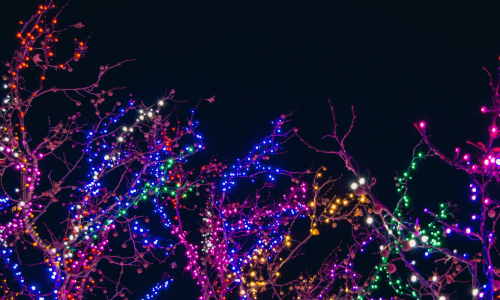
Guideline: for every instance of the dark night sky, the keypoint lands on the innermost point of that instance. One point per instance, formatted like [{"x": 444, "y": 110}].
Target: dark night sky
[{"x": 397, "y": 62}]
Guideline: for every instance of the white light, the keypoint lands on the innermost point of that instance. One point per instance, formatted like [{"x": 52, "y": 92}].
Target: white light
[
  {"x": 106, "y": 157},
  {"x": 161, "y": 103},
  {"x": 362, "y": 181},
  {"x": 141, "y": 117},
  {"x": 381, "y": 247},
  {"x": 442, "y": 298},
  {"x": 425, "y": 238},
  {"x": 413, "y": 243},
  {"x": 354, "y": 186},
  {"x": 120, "y": 139},
  {"x": 434, "y": 278},
  {"x": 124, "y": 128},
  {"x": 369, "y": 220},
  {"x": 413, "y": 278},
  {"x": 150, "y": 114},
  {"x": 475, "y": 292},
  {"x": 413, "y": 262}
]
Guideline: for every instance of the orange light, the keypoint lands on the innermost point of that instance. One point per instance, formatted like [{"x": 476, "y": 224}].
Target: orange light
[
  {"x": 20, "y": 22},
  {"x": 38, "y": 12},
  {"x": 54, "y": 21},
  {"x": 36, "y": 26},
  {"x": 61, "y": 66},
  {"x": 14, "y": 86},
  {"x": 22, "y": 128},
  {"x": 81, "y": 43},
  {"x": 43, "y": 77},
  {"x": 28, "y": 34},
  {"x": 18, "y": 35},
  {"x": 57, "y": 40},
  {"x": 27, "y": 58},
  {"x": 30, "y": 49},
  {"x": 50, "y": 53},
  {"x": 41, "y": 7}
]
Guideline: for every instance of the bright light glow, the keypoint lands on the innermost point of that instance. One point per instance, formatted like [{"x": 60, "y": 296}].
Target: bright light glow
[
  {"x": 442, "y": 298},
  {"x": 475, "y": 292},
  {"x": 106, "y": 157},
  {"x": 369, "y": 220},
  {"x": 425, "y": 238},
  {"x": 434, "y": 278},
  {"x": 354, "y": 186},
  {"x": 161, "y": 102},
  {"x": 362, "y": 181},
  {"x": 413, "y": 278},
  {"x": 467, "y": 230},
  {"x": 413, "y": 243}
]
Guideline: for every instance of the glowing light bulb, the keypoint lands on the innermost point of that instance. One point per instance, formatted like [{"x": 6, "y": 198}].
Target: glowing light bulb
[
  {"x": 160, "y": 103},
  {"x": 354, "y": 185},
  {"x": 362, "y": 181},
  {"x": 422, "y": 124},
  {"x": 425, "y": 238},
  {"x": 475, "y": 292},
  {"x": 413, "y": 243},
  {"x": 434, "y": 278},
  {"x": 369, "y": 220},
  {"x": 413, "y": 278}
]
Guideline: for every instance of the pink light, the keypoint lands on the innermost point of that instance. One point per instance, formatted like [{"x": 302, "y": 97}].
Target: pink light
[
  {"x": 466, "y": 157},
  {"x": 486, "y": 162},
  {"x": 483, "y": 109},
  {"x": 422, "y": 124},
  {"x": 494, "y": 130}
]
